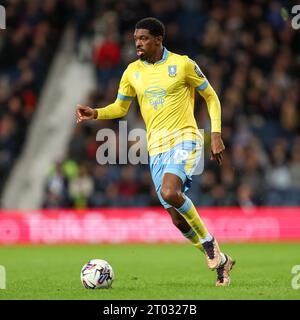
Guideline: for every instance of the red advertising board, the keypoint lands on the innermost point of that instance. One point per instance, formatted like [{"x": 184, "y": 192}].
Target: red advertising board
[{"x": 145, "y": 225}]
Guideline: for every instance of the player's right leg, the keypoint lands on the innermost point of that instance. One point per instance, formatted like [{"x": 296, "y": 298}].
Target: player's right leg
[{"x": 157, "y": 166}]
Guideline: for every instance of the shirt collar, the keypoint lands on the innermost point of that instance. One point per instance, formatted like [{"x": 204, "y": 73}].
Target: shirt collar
[{"x": 164, "y": 57}]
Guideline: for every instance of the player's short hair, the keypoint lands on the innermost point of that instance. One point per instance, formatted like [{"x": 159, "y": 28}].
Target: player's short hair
[{"x": 155, "y": 27}]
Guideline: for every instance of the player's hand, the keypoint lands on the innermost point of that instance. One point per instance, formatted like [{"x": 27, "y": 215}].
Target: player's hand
[
  {"x": 84, "y": 113},
  {"x": 217, "y": 147}
]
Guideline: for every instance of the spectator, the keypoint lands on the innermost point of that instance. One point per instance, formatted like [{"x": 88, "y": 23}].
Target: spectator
[
  {"x": 128, "y": 186},
  {"x": 81, "y": 188},
  {"x": 294, "y": 167},
  {"x": 245, "y": 196},
  {"x": 56, "y": 189},
  {"x": 277, "y": 175}
]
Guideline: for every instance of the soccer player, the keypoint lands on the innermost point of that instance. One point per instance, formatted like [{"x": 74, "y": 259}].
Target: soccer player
[{"x": 164, "y": 83}]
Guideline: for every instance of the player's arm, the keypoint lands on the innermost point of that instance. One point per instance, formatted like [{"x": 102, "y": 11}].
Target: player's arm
[
  {"x": 118, "y": 109},
  {"x": 214, "y": 110},
  {"x": 196, "y": 79}
]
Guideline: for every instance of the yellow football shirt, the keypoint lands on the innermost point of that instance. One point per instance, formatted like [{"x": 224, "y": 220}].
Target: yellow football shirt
[{"x": 165, "y": 93}]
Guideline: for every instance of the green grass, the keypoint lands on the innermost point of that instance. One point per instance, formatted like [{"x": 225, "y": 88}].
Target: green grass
[{"x": 263, "y": 271}]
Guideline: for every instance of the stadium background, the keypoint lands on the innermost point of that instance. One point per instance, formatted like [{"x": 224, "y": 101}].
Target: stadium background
[{"x": 55, "y": 54}]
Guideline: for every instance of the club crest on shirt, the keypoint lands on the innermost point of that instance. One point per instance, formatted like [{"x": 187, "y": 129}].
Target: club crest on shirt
[{"x": 172, "y": 70}]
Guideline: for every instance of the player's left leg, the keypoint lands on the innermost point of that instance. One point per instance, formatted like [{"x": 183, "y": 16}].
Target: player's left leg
[
  {"x": 223, "y": 271},
  {"x": 181, "y": 224},
  {"x": 171, "y": 193}
]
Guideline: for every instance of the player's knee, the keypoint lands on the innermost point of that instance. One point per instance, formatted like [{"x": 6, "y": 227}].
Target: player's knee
[{"x": 169, "y": 195}]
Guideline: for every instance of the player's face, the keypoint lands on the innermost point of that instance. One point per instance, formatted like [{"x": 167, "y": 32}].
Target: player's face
[{"x": 146, "y": 44}]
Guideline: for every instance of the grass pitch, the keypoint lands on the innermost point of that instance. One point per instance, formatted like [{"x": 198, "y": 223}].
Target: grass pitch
[{"x": 263, "y": 271}]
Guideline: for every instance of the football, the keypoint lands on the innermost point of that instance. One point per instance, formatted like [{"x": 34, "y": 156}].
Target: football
[{"x": 97, "y": 274}]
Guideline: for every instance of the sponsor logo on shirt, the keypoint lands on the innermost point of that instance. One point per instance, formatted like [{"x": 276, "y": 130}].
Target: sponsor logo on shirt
[{"x": 155, "y": 96}]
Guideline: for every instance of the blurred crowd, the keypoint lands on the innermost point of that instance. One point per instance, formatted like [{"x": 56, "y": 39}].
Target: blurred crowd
[
  {"x": 249, "y": 53},
  {"x": 27, "y": 46}
]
